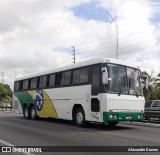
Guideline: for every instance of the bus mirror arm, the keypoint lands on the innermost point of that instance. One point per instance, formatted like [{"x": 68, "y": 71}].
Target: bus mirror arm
[{"x": 104, "y": 76}]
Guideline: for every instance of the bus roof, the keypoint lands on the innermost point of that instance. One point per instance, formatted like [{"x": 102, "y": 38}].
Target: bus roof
[{"x": 77, "y": 65}]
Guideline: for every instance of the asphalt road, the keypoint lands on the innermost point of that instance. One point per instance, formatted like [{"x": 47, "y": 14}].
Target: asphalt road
[{"x": 16, "y": 130}]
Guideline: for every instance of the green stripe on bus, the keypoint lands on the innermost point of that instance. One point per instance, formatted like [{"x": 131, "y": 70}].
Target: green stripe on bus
[{"x": 24, "y": 97}]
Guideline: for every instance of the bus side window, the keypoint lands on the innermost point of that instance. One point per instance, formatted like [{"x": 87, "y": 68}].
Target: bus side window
[
  {"x": 95, "y": 80},
  {"x": 18, "y": 85},
  {"x": 25, "y": 84},
  {"x": 43, "y": 81},
  {"x": 76, "y": 77},
  {"x": 34, "y": 82},
  {"x": 63, "y": 79},
  {"x": 58, "y": 79},
  {"x": 68, "y": 77},
  {"x": 84, "y": 75},
  {"x": 52, "y": 78}
]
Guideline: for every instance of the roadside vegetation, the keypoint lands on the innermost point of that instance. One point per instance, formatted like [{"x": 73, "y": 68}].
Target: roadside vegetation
[
  {"x": 5, "y": 93},
  {"x": 153, "y": 92}
]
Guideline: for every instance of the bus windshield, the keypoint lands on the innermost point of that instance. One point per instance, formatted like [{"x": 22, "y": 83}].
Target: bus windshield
[{"x": 123, "y": 80}]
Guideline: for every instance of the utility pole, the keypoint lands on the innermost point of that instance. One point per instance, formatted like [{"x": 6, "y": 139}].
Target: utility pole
[
  {"x": 74, "y": 55},
  {"x": 2, "y": 77}
]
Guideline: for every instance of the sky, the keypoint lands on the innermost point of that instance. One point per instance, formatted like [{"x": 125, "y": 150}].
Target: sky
[{"x": 36, "y": 35}]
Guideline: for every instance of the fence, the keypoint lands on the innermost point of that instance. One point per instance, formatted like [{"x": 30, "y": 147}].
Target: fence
[{"x": 6, "y": 108}]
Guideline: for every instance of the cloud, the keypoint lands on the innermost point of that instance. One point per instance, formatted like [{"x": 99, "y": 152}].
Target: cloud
[
  {"x": 138, "y": 33},
  {"x": 34, "y": 34}
]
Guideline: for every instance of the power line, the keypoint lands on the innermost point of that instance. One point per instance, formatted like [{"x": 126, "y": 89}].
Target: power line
[
  {"x": 111, "y": 36},
  {"x": 122, "y": 42},
  {"x": 119, "y": 48}
]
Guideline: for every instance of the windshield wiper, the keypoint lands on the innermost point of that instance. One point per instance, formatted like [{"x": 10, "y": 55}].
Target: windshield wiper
[{"x": 131, "y": 86}]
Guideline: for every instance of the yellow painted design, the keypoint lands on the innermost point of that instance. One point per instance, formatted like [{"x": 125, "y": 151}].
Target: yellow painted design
[{"x": 48, "y": 109}]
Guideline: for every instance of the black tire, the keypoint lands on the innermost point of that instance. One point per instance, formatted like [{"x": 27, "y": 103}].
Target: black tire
[
  {"x": 26, "y": 112},
  {"x": 79, "y": 117},
  {"x": 33, "y": 113},
  {"x": 112, "y": 124}
]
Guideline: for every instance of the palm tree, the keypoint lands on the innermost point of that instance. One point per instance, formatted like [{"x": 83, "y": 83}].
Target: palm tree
[
  {"x": 157, "y": 80},
  {"x": 150, "y": 94}
]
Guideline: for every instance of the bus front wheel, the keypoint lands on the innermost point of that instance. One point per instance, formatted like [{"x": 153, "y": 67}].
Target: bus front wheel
[{"x": 79, "y": 117}]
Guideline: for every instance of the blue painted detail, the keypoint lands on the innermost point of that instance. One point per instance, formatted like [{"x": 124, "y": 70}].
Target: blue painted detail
[{"x": 38, "y": 100}]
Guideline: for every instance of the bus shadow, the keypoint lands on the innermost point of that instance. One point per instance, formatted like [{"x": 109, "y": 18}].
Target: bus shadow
[
  {"x": 88, "y": 125},
  {"x": 106, "y": 127}
]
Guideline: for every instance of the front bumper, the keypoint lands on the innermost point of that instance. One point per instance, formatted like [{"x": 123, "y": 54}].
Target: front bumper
[{"x": 123, "y": 116}]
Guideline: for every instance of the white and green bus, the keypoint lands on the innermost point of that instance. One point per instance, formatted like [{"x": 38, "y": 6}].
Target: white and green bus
[{"x": 100, "y": 90}]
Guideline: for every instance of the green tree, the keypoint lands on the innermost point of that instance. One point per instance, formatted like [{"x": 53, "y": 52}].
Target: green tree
[
  {"x": 153, "y": 92},
  {"x": 5, "y": 93},
  {"x": 157, "y": 80}
]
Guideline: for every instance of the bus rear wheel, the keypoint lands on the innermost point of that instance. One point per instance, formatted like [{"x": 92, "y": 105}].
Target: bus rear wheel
[
  {"x": 26, "y": 112},
  {"x": 79, "y": 117},
  {"x": 33, "y": 113}
]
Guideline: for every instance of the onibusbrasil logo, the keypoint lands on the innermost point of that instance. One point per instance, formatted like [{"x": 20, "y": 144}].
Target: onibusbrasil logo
[{"x": 38, "y": 100}]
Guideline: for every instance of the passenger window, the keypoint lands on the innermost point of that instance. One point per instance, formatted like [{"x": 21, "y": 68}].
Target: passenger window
[
  {"x": 63, "y": 79},
  {"x": 52, "y": 80},
  {"x": 34, "y": 82},
  {"x": 76, "y": 76},
  {"x": 25, "y": 84},
  {"x": 84, "y": 75},
  {"x": 18, "y": 86},
  {"x": 43, "y": 81},
  {"x": 68, "y": 78},
  {"x": 80, "y": 76}
]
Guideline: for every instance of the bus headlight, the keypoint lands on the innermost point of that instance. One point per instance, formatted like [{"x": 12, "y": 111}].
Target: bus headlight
[
  {"x": 110, "y": 116},
  {"x": 113, "y": 116},
  {"x": 140, "y": 116}
]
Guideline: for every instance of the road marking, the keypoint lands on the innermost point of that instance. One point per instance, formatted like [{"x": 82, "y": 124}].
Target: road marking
[{"x": 8, "y": 144}]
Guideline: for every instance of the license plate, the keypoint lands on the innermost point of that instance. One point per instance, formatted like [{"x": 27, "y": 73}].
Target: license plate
[{"x": 128, "y": 117}]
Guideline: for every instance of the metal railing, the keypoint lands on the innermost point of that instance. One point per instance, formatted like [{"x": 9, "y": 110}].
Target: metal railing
[{"x": 6, "y": 108}]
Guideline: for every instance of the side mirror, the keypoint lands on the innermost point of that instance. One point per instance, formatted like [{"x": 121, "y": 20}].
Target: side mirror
[{"x": 104, "y": 76}]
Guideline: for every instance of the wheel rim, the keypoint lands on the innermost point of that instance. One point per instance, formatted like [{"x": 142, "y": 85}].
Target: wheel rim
[
  {"x": 33, "y": 113},
  {"x": 80, "y": 118},
  {"x": 26, "y": 112}
]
